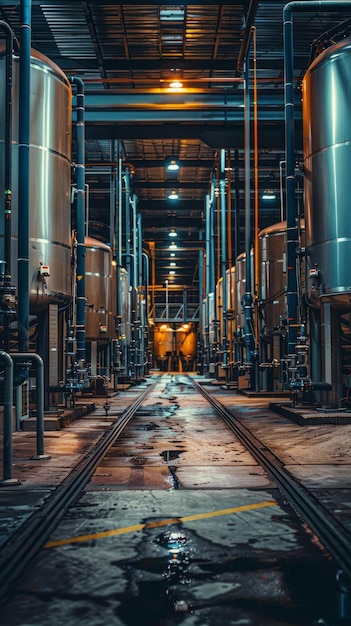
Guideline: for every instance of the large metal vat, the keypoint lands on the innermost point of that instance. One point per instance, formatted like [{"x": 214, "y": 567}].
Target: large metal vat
[
  {"x": 186, "y": 346},
  {"x": 327, "y": 157},
  {"x": 240, "y": 287},
  {"x": 50, "y": 179},
  {"x": 272, "y": 283},
  {"x": 99, "y": 319}
]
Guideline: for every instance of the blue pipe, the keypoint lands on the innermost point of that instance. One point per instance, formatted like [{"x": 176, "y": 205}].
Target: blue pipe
[
  {"x": 7, "y": 436},
  {"x": 38, "y": 362},
  {"x": 8, "y": 148},
  {"x": 247, "y": 297},
  {"x": 80, "y": 165},
  {"x": 223, "y": 207},
  {"x": 291, "y": 217},
  {"x": 23, "y": 177},
  {"x": 7, "y": 289}
]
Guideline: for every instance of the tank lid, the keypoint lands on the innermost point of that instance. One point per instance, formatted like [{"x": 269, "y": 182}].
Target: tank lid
[{"x": 332, "y": 52}]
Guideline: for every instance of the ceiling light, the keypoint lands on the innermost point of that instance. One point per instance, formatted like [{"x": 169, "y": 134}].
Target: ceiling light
[
  {"x": 173, "y": 246},
  {"x": 172, "y": 254},
  {"x": 176, "y": 84},
  {"x": 172, "y": 271},
  {"x": 172, "y": 233},
  {"x": 172, "y": 165},
  {"x": 268, "y": 194},
  {"x": 173, "y": 264},
  {"x": 173, "y": 196}
]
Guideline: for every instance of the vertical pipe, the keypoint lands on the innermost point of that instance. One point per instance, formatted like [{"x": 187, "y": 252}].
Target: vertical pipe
[
  {"x": 201, "y": 279},
  {"x": 229, "y": 212},
  {"x": 23, "y": 177},
  {"x": 135, "y": 240},
  {"x": 237, "y": 206},
  {"x": 140, "y": 254},
  {"x": 255, "y": 247},
  {"x": 7, "y": 290},
  {"x": 212, "y": 281},
  {"x": 127, "y": 223},
  {"x": 119, "y": 212},
  {"x": 80, "y": 165},
  {"x": 112, "y": 199},
  {"x": 247, "y": 298},
  {"x": 223, "y": 205},
  {"x": 8, "y": 148},
  {"x": 39, "y": 367},
  {"x": 290, "y": 181},
  {"x": 206, "y": 328},
  {"x": 7, "y": 434}
]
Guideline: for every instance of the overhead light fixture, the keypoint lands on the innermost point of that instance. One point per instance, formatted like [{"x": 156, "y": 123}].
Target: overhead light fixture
[
  {"x": 176, "y": 84},
  {"x": 172, "y": 272},
  {"x": 268, "y": 194},
  {"x": 172, "y": 165},
  {"x": 173, "y": 196},
  {"x": 173, "y": 246},
  {"x": 172, "y": 254},
  {"x": 173, "y": 264},
  {"x": 172, "y": 233}
]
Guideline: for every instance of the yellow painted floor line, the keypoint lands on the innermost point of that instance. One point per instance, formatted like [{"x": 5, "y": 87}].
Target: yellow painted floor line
[{"x": 165, "y": 522}]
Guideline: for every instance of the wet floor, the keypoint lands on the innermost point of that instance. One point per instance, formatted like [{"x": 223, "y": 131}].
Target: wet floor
[{"x": 178, "y": 526}]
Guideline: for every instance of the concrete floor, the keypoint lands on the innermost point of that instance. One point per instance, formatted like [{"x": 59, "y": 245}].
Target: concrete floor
[{"x": 179, "y": 525}]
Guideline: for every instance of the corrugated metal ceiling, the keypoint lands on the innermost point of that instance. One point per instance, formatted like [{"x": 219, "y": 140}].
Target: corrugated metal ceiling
[{"x": 133, "y": 50}]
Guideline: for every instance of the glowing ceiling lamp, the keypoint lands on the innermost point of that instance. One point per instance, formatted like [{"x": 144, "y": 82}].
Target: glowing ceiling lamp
[
  {"x": 172, "y": 165},
  {"x": 268, "y": 194},
  {"x": 172, "y": 233},
  {"x": 176, "y": 84},
  {"x": 173, "y": 196}
]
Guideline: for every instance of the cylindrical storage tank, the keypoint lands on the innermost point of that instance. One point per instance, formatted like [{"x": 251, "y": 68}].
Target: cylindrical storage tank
[
  {"x": 240, "y": 288},
  {"x": 163, "y": 340},
  {"x": 327, "y": 157},
  {"x": 99, "y": 319},
  {"x": 186, "y": 341},
  {"x": 230, "y": 286},
  {"x": 50, "y": 180},
  {"x": 272, "y": 284}
]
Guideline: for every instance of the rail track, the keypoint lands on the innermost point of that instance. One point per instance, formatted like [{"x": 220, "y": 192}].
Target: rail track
[
  {"x": 30, "y": 538},
  {"x": 334, "y": 536}
]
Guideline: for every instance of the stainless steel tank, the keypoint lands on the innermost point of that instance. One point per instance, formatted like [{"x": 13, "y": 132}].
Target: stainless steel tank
[
  {"x": 99, "y": 319},
  {"x": 327, "y": 157},
  {"x": 186, "y": 341},
  {"x": 240, "y": 287},
  {"x": 272, "y": 283},
  {"x": 50, "y": 180}
]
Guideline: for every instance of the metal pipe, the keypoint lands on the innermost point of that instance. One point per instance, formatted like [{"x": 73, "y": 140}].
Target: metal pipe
[
  {"x": 135, "y": 238},
  {"x": 247, "y": 297},
  {"x": 8, "y": 147},
  {"x": 86, "y": 187},
  {"x": 80, "y": 165},
  {"x": 23, "y": 177},
  {"x": 39, "y": 396},
  {"x": 7, "y": 435},
  {"x": 281, "y": 189},
  {"x": 250, "y": 19},
  {"x": 291, "y": 217},
  {"x": 7, "y": 290},
  {"x": 127, "y": 224},
  {"x": 223, "y": 205},
  {"x": 256, "y": 188}
]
